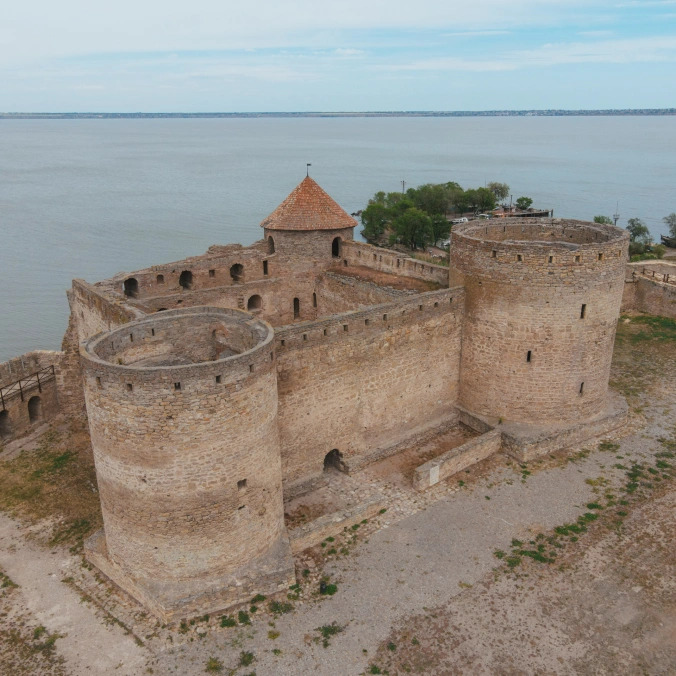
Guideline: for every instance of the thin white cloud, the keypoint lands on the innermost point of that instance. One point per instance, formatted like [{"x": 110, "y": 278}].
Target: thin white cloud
[
  {"x": 637, "y": 50},
  {"x": 476, "y": 34}
]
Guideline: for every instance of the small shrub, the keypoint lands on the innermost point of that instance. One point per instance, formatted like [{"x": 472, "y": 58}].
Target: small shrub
[
  {"x": 214, "y": 665},
  {"x": 280, "y": 607},
  {"x": 327, "y": 631},
  {"x": 245, "y": 658},
  {"x": 373, "y": 669},
  {"x": 391, "y": 646},
  {"x": 243, "y": 617},
  {"x": 327, "y": 589},
  {"x": 227, "y": 621},
  {"x": 273, "y": 634},
  {"x": 259, "y": 598}
]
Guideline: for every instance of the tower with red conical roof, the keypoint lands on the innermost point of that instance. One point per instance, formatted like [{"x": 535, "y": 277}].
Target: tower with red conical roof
[{"x": 308, "y": 223}]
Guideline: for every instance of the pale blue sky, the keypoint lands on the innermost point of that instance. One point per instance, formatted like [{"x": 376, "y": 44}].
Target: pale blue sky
[{"x": 277, "y": 55}]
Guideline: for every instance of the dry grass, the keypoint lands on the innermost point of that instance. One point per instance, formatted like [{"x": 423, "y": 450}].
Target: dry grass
[{"x": 54, "y": 485}]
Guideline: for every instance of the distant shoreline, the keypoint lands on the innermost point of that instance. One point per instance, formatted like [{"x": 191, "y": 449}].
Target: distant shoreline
[{"x": 404, "y": 113}]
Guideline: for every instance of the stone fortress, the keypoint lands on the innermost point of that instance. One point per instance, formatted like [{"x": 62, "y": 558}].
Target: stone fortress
[{"x": 219, "y": 386}]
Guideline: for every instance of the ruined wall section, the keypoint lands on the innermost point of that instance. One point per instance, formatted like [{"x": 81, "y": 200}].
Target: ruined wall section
[
  {"x": 650, "y": 287},
  {"x": 187, "y": 456},
  {"x": 364, "y": 381},
  {"x": 28, "y": 393},
  {"x": 386, "y": 260},
  {"x": 342, "y": 293},
  {"x": 540, "y": 317}
]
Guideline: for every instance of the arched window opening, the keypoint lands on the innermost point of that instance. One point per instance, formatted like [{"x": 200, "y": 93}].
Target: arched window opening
[
  {"x": 185, "y": 280},
  {"x": 131, "y": 287},
  {"x": 335, "y": 247},
  {"x": 334, "y": 460},
  {"x": 160, "y": 279},
  {"x": 254, "y": 303},
  {"x": 34, "y": 408},
  {"x": 296, "y": 308},
  {"x": 271, "y": 245},
  {"x": 236, "y": 272},
  {"x": 314, "y": 300},
  {"x": 5, "y": 425}
]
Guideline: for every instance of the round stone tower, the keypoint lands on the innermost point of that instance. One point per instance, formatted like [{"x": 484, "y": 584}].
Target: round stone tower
[
  {"x": 541, "y": 307},
  {"x": 308, "y": 224},
  {"x": 182, "y": 411}
]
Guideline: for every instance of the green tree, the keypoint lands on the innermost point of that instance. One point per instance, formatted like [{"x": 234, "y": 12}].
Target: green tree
[
  {"x": 441, "y": 228},
  {"x": 413, "y": 228},
  {"x": 375, "y": 218},
  {"x": 638, "y": 231},
  {"x": 500, "y": 190},
  {"x": 523, "y": 203},
  {"x": 603, "y": 219},
  {"x": 485, "y": 199},
  {"x": 670, "y": 222}
]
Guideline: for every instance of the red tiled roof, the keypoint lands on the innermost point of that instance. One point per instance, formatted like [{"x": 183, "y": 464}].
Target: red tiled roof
[{"x": 308, "y": 207}]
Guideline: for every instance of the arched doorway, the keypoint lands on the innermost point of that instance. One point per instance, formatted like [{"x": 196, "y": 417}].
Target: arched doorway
[
  {"x": 5, "y": 425},
  {"x": 236, "y": 272},
  {"x": 185, "y": 280},
  {"x": 131, "y": 287},
  {"x": 334, "y": 460},
  {"x": 335, "y": 247},
  {"x": 271, "y": 245},
  {"x": 34, "y": 409},
  {"x": 255, "y": 302}
]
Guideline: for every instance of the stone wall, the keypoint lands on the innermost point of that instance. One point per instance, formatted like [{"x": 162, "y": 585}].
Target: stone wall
[
  {"x": 343, "y": 293},
  {"x": 363, "y": 381},
  {"x": 386, "y": 260},
  {"x": 187, "y": 455},
  {"x": 29, "y": 393},
  {"x": 540, "y": 317},
  {"x": 315, "y": 245},
  {"x": 644, "y": 292}
]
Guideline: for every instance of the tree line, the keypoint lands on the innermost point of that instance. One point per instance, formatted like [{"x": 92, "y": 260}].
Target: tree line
[
  {"x": 419, "y": 216},
  {"x": 641, "y": 245}
]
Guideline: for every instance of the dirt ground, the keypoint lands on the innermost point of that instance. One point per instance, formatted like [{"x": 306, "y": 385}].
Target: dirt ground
[{"x": 562, "y": 566}]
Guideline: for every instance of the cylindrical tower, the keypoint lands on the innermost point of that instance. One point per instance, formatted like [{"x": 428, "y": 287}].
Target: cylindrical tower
[
  {"x": 182, "y": 411},
  {"x": 542, "y": 301}
]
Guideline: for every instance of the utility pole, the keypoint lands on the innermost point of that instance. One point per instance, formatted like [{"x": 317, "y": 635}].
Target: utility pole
[
  {"x": 616, "y": 215},
  {"x": 307, "y": 169},
  {"x": 403, "y": 187}
]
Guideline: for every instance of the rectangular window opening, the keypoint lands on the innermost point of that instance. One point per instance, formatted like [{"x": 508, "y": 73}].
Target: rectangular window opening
[
  {"x": 494, "y": 254},
  {"x": 212, "y": 273},
  {"x": 366, "y": 322},
  {"x": 581, "y": 388},
  {"x": 218, "y": 379},
  {"x": 420, "y": 307},
  {"x": 528, "y": 356},
  {"x": 152, "y": 332},
  {"x": 384, "y": 318},
  {"x": 265, "y": 267},
  {"x": 519, "y": 257},
  {"x": 241, "y": 484},
  {"x": 130, "y": 387},
  {"x": 577, "y": 259},
  {"x": 98, "y": 382},
  {"x": 324, "y": 331},
  {"x": 583, "y": 311},
  {"x": 305, "y": 336},
  {"x": 600, "y": 256},
  {"x": 177, "y": 386},
  {"x": 436, "y": 304},
  {"x": 131, "y": 337},
  {"x": 345, "y": 327},
  {"x": 251, "y": 368},
  {"x": 282, "y": 343},
  {"x": 551, "y": 259}
]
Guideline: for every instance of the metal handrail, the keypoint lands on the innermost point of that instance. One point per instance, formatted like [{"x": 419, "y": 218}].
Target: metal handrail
[{"x": 21, "y": 386}]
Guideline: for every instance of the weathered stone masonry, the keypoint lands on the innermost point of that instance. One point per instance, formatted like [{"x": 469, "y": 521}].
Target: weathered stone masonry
[{"x": 217, "y": 385}]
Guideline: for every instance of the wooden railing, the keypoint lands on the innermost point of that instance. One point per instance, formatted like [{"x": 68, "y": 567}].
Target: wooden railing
[{"x": 24, "y": 385}]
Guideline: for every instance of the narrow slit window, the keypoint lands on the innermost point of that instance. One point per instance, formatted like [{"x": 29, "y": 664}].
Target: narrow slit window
[
  {"x": 152, "y": 332},
  {"x": 519, "y": 258},
  {"x": 218, "y": 379},
  {"x": 551, "y": 259},
  {"x": 212, "y": 273},
  {"x": 305, "y": 336},
  {"x": 528, "y": 356},
  {"x": 177, "y": 386},
  {"x": 130, "y": 387},
  {"x": 324, "y": 331},
  {"x": 583, "y": 311},
  {"x": 494, "y": 254},
  {"x": 600, "y": 256},
  {"x": 131, "y": 337},
  {"x": 344, "y": 327},
  {"x": 265, "y": 267},
  {"x": 384, "y": 318},
  {"x": 251, "y": 368},
  {"x": 581, "y": 388},
  {"x": 98, "y": 382}
]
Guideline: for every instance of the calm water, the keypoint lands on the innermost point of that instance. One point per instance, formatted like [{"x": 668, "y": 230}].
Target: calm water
[{"x": 90, "y": 198}]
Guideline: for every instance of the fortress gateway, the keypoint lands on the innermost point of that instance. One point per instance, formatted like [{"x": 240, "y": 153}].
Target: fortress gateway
[{"x": 218, "y": 385}]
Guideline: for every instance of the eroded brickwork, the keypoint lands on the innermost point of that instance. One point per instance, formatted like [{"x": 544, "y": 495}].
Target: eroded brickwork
[{"x": 542, "y": 302}]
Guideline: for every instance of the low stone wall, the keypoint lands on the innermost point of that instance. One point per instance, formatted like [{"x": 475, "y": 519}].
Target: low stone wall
[
  {"x": 650, "y": 287},
  {"x": 386, "y": 260},
  {"x": 24, "y": 408},
  {"x": 311, "y": 534},
  {"x": 457, "y": 459}
]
